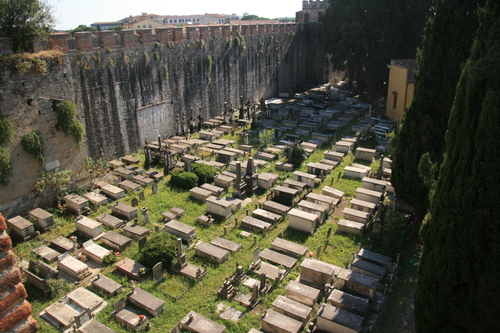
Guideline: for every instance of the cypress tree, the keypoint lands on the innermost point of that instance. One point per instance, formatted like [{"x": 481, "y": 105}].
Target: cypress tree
[
  {"x": 459, "y": 285},
  {"x": 448, "y": 38}
]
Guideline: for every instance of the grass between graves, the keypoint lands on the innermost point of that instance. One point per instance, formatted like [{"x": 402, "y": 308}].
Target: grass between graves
[{"x": 202, "y": 297}]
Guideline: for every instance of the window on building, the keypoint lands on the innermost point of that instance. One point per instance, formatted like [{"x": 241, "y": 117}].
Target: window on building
[
  {"x": 170, "y": 21},
  {"x": 150, "y": 26},
  {"x": 138, "y": 26},
  {"x": 395, "y": 101},
  {"x": 198, "y": 20}
]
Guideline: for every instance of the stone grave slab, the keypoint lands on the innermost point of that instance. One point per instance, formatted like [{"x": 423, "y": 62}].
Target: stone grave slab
[
  {"x": 219, "y": 207},
  {"x": 223, "y": 181},
  {"x": 333, "y": 164},
  {"x": 319, "y": 169},
  {"x": 317, "y": 273},
  {"x": 343, "y": 146},
  {"x": 282, "y": 166},
  {"x": 135, "y": 231},
  {"x": 214, "y": 147},
  {"x": 61, "y": 244},
  {"x": 304, "y": 177},
  {"x": 206, "y": 135},
  {"x": 365, "y": 154},
  {"x": 46, "y": 253},
  {"x": 224, "y": 156},
  {"x": 88, "y": 227},
  {"x": 285, "y": 195},
  {"x": 194, "y": 322},
  {"x": 333, "y": 319},
  {"x": 205, "y": 220},
  {"x": 130, "y": 318},
  {"x": 136, "y": 169},
  {"x": 292, "y": 309},
  {"x": 96, "y": 199},
  {"x": 302, "y": 221},
  {"x": 94, "y": 251},
  {"x": 62, "y": 314},
  {"x": 144, "y": 300},
  {"x": 245, "y": 234},
  {"x": 331, "y": 192},
  {"x": 266, "y": 216},
  {"x": 115, "y": 164},
  {"x": 124, "y": 211},
  {"x": 155, "y": 175},
  {"x": 181, "y": 230},
  {"x": 357, "y": 284},
  {"x": 246, "y": 148},
  {"x": 272, "y": 272},
  {"x": 229, "y": 313},
  {"x": 143, "y": 181},
  {"x": 85, "y": 299},
  {"x": 104, "y": 283},
  {"x": 254, "y": 224},
  {"x": 350, "y": 227},
  {"x": 21, "y": 228},
  {"x": 374, "y": 257},
  {"x": 288, "y": 248},
  {"x": 275, "y": 322},
  {"x": 374, "y": 184},
  {"x": 369, "y": 195},
  {"x": 131, "y": 268},
  {"x": 93, "y": 326},
  {"x": 260, "y": 155},
  {"x": 300, "y": 186},
  {"x": 211, "y": 252},
  {"x": 324, "y": 200},
  {"x": 123, "y": 173},
  {"x": 130, "y": 160},
  {"x": 302, "y": 293},
  {"x": 239, "y": 153},
  {"x": 113, "y": 192},
  {"x": 365, "y": 267},
  {"x": 313, "y": 208},
  {"x": 226, "y": 244},
  {"x": 73, "y": 267},
  {"x": 278, "y": 258},
  {"x": 116, "y": 241},
  {"x": 354, "y": 304},
  {"x": 43, "y": 219},
  {"x": 110, "y": 221},
  {"x": 168, "y": 216},
  {"x": 129, "y": 186},
  {"x": 76, "y": 204},
  {"x": 356, "y": 215},
  {"x": 193, "y": 272},
  {"x": 355, "y": 173},
  {"x": 236, "y": 203},
  {"x": 362, "y": 205},
  {"x": 224, "y": 142},
  {"x": 216, "y": 191},
  {"x": 276, "y": 208}
]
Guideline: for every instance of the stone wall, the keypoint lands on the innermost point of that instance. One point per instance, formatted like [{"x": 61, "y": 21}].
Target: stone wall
[
  {"x": 132, "y": 90},
  {"x": 15, "y": 311}
]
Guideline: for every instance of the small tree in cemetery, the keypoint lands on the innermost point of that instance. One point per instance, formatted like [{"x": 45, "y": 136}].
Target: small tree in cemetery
[
  {"x": 298, "y": 155},
  {"x": 162, "y": 247},
  {"x": 206, "y": 173},
  {"x": 96, "y": 168},
  {"x": 185, "y": 180},
  {"x": 266, "y": 138},
  {"x": 367, "y": 138}
]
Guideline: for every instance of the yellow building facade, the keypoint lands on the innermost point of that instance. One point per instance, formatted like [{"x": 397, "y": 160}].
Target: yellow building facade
[{"x": 400, "y": 87}]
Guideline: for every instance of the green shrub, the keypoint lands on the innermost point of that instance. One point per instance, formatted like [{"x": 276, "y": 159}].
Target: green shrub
[
  {"x": 185, "y": 180},
  {"x": 32, "y": 143},
  {"x": 266, "y": 138},
  {"x": 6, "y": 131},
  {"x": 394, "y": 229},
  {"x": 367, "y": 138},
  {"x": 57, "y": 287},
  {"x": 205, "y": 173},
  {"x": 299, "y": 155},
  {"x": 66, "y": 116},
  {"x": 5, "y": 166},
  {"x": 161, "y": 247}
]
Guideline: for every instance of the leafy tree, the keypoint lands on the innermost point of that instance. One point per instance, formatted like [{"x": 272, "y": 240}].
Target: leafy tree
[
  {"x": 118, "y": 27},
  {"x": 298, "y": 155},
  {"x": 457, "y": 290},
  {"x": 447, "y": 42},
  {"x": 266, "y": 138},
  {"x": 83, "y": 27},
  {"x": 206, "y": 173},
  {"x": 367, "y": 138},
  {"x": 24, "y": 21},
  {"x": 185, "y": 180},
  {"x": 161, "y": 247},
  {"x": 253, "y": 17}
]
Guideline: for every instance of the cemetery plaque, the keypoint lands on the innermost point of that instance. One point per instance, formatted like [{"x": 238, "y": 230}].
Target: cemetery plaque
[
  {"x": 154, "y": 188},
  {"x": 158, "y": 272},
  {"x": 141, "y": 196},
  {"x": 120, "y": 304},
  {"x": 134, "y": 202},
  {"x": 142, "y": 243}
]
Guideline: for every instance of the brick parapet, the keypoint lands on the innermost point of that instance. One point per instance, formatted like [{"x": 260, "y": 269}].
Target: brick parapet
[
  {"x": 84, "y": 41},
  {"x": 146, "y": 36},
  {"x": 127, "y": 37},
  {"x": 108, "y": 40}
]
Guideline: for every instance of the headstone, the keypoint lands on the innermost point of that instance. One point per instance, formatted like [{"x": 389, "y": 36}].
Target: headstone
[
  {"x": 134, "y": 202},
  {"x": 154, "y": 188},
  {"x": 142, "y": 243},
  {"x": 83, "y": 317},
  {"x": 256, "y": 255},
  {"x": 145, "y": 215},
  {"x": 181, "y": 256},
  {"x": 158, "y": 272},
  {"x": 141, "y": 196}
]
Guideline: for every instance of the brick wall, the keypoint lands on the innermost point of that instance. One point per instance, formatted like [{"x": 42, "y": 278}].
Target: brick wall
[{"x": 15, "y": 311}]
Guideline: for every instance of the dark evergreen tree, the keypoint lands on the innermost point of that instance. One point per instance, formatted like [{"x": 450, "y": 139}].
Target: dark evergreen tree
[
  {"x": 447, "y": 42},
  {"x": 459, "y": 284}
]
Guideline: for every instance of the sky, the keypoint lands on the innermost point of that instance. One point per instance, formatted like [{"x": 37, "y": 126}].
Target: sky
[{"x": 71, "y": 13}]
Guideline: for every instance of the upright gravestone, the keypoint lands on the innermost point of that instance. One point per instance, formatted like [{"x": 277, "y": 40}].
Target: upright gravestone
[
  {"x": 142, "y": 243},
  {"x": 158, "y": 272},
  {"x": 83, "y": 317},
  {"x": 154, "y": 188},
  {"x": 181, "y": 256},
  {"x": 134, "y": 202},
  {"x": 256, "y": 255},
  {"x": 145, "y": 215},
  {"x": 120, "y": 304},
  {"x": 141, "y": 196}
]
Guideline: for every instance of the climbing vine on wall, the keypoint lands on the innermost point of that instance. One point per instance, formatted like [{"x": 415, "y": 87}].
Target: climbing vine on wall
[
  {"x": 32, "y": 143},
  {"x": 66, "y": 116},
  {"x": 6, "y": 131},
  {"x": 5, "y": 166}
]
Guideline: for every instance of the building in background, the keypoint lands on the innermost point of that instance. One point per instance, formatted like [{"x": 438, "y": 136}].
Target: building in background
[
  {"x": 311, "y": 11},
  {"x": 400, "y": 87}
]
